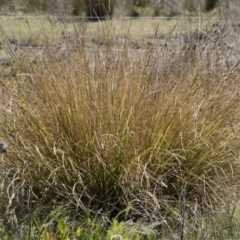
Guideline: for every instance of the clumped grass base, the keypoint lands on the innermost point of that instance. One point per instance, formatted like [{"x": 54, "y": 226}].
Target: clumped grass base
[{"x": 122, "y": 135}]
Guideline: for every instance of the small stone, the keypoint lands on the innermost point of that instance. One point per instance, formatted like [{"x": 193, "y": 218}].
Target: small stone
[{"x": 3, "y": 147}]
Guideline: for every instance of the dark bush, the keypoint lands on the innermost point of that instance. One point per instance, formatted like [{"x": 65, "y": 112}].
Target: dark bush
[
  {"x": 99, "y": 9},
  {"x": 210, "y": 4}
]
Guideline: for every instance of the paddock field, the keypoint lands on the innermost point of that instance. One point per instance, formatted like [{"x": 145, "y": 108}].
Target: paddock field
[{"x": 121, "y": 129}]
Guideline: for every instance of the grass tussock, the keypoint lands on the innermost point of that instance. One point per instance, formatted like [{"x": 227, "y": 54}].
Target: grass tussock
[{"x": 122, "y": 133}]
